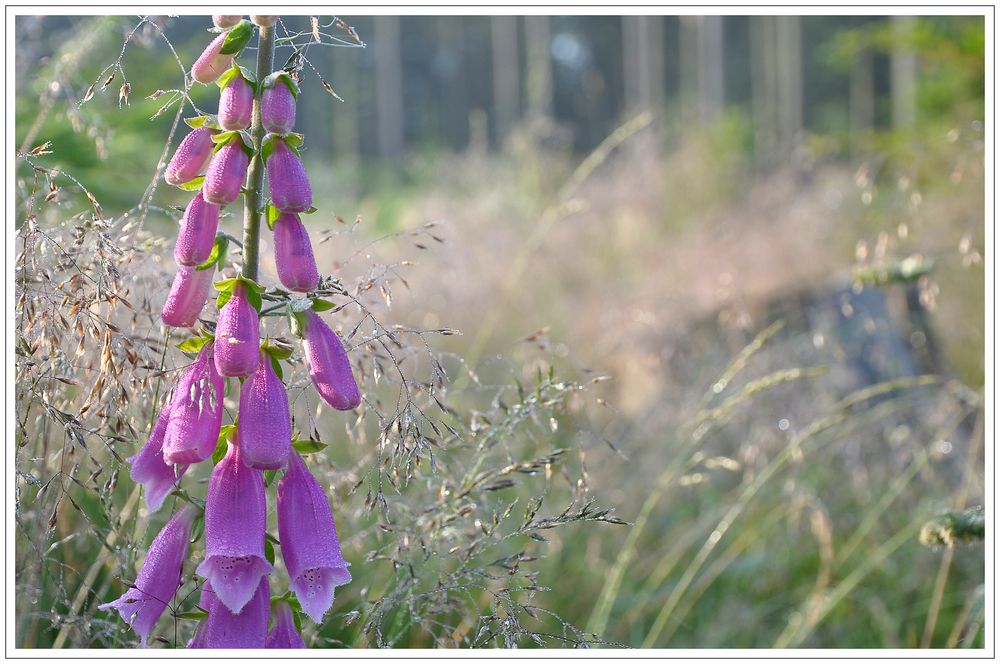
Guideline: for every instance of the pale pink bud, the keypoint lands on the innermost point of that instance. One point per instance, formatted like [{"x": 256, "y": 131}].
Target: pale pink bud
[
  {"x": 329, "y": 366},
  {"x": 226, "y": 173},
  {"x": 287, "y": 179},
  {"x": 224, "y": 22},
  {"x": 212, "y": 64},
  {"x": 293, "y": 254},
  {"x": 197, "y": 233},
  {"x": 236, "y": 104},
  {"x": 237, "y": 335},
  {"x": 277, "y": 104},
  {"x": 190, "y": 157},
  {"x": 264, "y": 21},
  {"x": 265, "y": 421},
  {"x": 187, "y": 296}
]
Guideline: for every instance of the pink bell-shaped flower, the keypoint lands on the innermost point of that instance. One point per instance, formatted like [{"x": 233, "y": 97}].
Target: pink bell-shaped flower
[
  {"x": 191, "y": 156},
  {"x": 236, "y": 104},
  {"x": 329, "y": 366},
  {"x": 223, "y": 21},
  {"x": 235, "y": 519},
  {"x": 309, "y": 544},
  {"x": 149, "y": 469},
  {"x": 160, "y": 574},
  {"x": 222, "y": 628},
  {"x": 226, "y": 173},
  {"x": 293, "y": 254},
  {"x": 187, "y": 297},
  {"x": 284, "y": 634},
  {"x": 197, "y": 232},
  {"x": 265, "y": 423},
  {"x": 237, "y": 335},
  {"x": 286, "y": 177},
  {"x": 195, "y": 412},
  {"x": 211, "y": 64},
  {"x": 277, "y": 103}
]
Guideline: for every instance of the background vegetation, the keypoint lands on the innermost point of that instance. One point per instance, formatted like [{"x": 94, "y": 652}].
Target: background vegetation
[{"x": 595, "y": 270}]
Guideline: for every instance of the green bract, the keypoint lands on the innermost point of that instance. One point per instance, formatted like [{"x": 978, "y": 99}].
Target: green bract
[
  {"x": 233, "y": 72},
  {"x": 237, "y": 38},
  {"x": 253, "y": 289},
  {"x": 283, "y": 77}
]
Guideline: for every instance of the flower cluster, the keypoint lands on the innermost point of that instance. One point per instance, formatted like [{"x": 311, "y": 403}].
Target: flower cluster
[{"x": 213, "y": 160}]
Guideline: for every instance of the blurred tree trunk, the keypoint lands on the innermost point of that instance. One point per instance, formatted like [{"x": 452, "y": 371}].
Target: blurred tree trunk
[
  {"x": 643, "y": 60},
  {"x": 506, "y": 82},
  {"x": 388, "y": 87},
  {"x": 538, "y": 74},
  {"x": 789, "y": 76},
  {"x": 455, "y": 99},
  {"x": 862, "y": 93},
  {"x": 711, "y": 71},
  {"x": 764, "y": 85},
  {"x": 702, "y": 80},
  {"x": 903, "y": 73},
  {"x": 345, "y": 117}
]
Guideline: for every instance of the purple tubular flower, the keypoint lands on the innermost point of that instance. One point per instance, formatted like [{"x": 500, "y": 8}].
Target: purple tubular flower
[
  {"x": 190, "y": 156},
  {"x": 284, "y": 634},
  {"x": 197, "y": 232},
  {"x": 309, "y": 543},
  {"x": 235, "y": 518},
  {"x": 187, "y": 296},
  {"x": 149, "y": 469},
  {"x": 222, "y": 628},
  {"x": 195, "y": 412},
  {"x": 277, "y": 107},
  {"x": 293, "y": 254},
  {"x": 329, "y": 366},
  {"x": 265, "y": 423},
  {"x": 225, "y": 174},
  {"x": 236, "y": 104},
  {"x": 211, "y": 64},
  {"x": 224, "y": 22},
  {"x": 142, "y": 605},
  {"x": 237, "y": 335},
  {"x": 286, "y": 176}
]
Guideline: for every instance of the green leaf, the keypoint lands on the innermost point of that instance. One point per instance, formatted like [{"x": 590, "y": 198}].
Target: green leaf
[
  {"x": 319, "y": 304},
  {"x": 277, "y": 368},
  {"x": 283, "y": 77},
  {"x": 223, "y": 445},
  {"x": 226, "y": 284},
  {"x": 272, "y": 216},
  {"x": 294, "y": 141},
  {"x": 308, "y": 446},
  {"x": 196, "y": 121},
  {"x": 269, "y": 551},
  {"x": 224, "y": 137},
  {"x": 310, "y": 210},
  {"x": 297, "y": 321},
  {"x": 278, "y": 352},
  {"x": 218, "y": 255},
  {"x": 194, "y": 184},
  {"x": 267, "y": 146},
  {"x": 269, "y": 476},
  {"x": 233, "y": 72},
  {"x": 237, "y": 38},
  {"x": 253, "y": 297},
  {"x": 194, "y": 344},
  {"x": 191, "y": 615}
]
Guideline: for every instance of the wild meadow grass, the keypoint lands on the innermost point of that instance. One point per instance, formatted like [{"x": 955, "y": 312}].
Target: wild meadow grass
[{"x": 651, "y": 397}]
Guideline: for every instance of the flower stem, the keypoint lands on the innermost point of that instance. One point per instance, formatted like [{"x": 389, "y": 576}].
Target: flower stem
[{"x": 252, "y": 198}]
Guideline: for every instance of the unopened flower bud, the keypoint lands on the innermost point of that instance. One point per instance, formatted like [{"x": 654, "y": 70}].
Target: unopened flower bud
[
  {"x": 197, "y": 232},
  {"x": 190, "y": 156}
]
